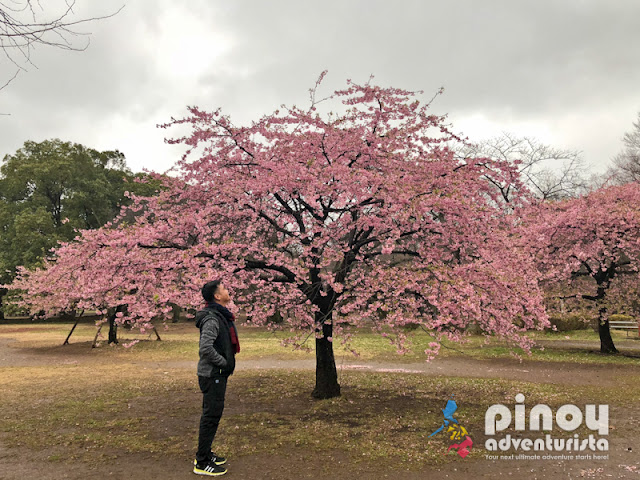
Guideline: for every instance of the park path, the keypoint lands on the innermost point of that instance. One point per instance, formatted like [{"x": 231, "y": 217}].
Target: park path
[
  {"x": 510, "y": 369},
  {"x": 567, "y": 373}
]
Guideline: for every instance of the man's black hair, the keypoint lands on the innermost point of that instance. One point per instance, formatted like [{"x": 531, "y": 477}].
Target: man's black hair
[{"x": 210, "y": 289}]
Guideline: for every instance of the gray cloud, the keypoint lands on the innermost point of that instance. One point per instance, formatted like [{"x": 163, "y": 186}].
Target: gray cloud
[{"x": 570, "y": 68}]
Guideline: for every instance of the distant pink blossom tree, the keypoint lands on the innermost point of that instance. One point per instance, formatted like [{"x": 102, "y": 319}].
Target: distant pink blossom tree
[
  {"x": 590, "y": 248},
  {"x": 361, "y": 216}
]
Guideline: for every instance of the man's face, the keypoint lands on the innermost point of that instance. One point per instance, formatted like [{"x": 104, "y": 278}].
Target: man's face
[{"x": 222, "y": 295}]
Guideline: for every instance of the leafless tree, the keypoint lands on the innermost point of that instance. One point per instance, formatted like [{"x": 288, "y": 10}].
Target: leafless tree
[
  {"x": 550, "y": 173},
  {"x": 24, "y": 24},
  {"x": 626, "y": 164}
]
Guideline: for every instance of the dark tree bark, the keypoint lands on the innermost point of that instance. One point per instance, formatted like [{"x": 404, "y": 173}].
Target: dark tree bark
[
  {"x": 113, "y": 326},
  {"x": 113, "y": 329},
  {"x": 175, "y": 313},
  {"x": 326, "y": 374},
  {"x": 3, "y": 292},
  {"x": 604, "y": 330}
]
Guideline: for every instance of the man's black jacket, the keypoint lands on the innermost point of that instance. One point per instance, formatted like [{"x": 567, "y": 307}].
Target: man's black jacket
[{"x": 217, "y": 355}]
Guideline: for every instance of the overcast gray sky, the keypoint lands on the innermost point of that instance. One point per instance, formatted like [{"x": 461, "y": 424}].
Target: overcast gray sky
[{"x": 564, "y": 71}]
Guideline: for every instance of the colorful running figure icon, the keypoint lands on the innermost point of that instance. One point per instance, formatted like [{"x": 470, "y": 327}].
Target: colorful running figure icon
[{"x": 455, "y": 431}]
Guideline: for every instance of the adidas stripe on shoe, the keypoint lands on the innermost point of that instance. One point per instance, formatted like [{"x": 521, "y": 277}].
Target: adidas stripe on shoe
[{"x": 209, "y": 469}]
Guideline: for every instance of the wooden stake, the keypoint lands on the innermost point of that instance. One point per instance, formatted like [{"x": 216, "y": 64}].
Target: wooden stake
[
  {"x": 66, "y": 342},
  {"x": 95, "y": 340}
]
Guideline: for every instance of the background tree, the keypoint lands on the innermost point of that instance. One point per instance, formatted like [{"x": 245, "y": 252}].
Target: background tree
[
  {"x": 589, "y": 246},
  {"x": 626, "y": 164},
  {"x": 365, "y": 217},
  {"x": 548, "y": 173},
  {"x": 25, "y": 24},
  {"x": 48, "y": 190}
]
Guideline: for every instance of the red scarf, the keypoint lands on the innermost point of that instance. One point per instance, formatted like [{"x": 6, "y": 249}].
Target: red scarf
[
  {"x": 234, "y": 335},
  {"x": 232, "y": 326}
]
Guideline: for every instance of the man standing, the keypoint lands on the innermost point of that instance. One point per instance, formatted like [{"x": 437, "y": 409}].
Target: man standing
[{"x": 218, "y": 347}]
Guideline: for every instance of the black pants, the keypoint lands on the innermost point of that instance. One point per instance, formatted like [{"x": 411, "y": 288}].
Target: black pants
[{"x": 213, "y": 391}]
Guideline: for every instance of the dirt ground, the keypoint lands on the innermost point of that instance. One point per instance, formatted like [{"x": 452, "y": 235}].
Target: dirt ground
[{"x": 623, "y": 459}]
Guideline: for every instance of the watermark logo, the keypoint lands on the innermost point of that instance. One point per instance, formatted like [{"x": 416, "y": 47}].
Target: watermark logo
[
  {"x": 454, "y": 430},
  {"x": 566, "y": 419}
]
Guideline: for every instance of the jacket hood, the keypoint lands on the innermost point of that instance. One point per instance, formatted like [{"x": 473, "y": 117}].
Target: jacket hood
[{"x": 201, "y": 315}]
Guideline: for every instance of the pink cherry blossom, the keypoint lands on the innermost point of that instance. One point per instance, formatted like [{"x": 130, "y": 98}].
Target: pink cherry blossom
[
  {"x": 362, "y": 217},
  {"x": 587, "y": 248}
]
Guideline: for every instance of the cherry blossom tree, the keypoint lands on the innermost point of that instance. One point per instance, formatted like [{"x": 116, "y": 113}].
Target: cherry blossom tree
[
  {"x": 334, "y": 220},
  {"x": 590, "y": 248}
]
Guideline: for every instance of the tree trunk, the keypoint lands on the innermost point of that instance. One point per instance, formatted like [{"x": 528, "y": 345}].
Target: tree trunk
[
  {"x": 3, "y": 292},
  {"x": 113, "y": 326},
  {"x": 113, "y": 330},
  {"x": 606, "y": 342},
  {"x": 326, "y": 374},
  {"x": 175, "y": 313}
]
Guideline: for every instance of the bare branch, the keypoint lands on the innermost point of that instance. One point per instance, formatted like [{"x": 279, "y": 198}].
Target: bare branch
[
  {"x": 626, "y": 164},
  {"x": 550, "y": 173},
  {"x": 22, "y": 28}
]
